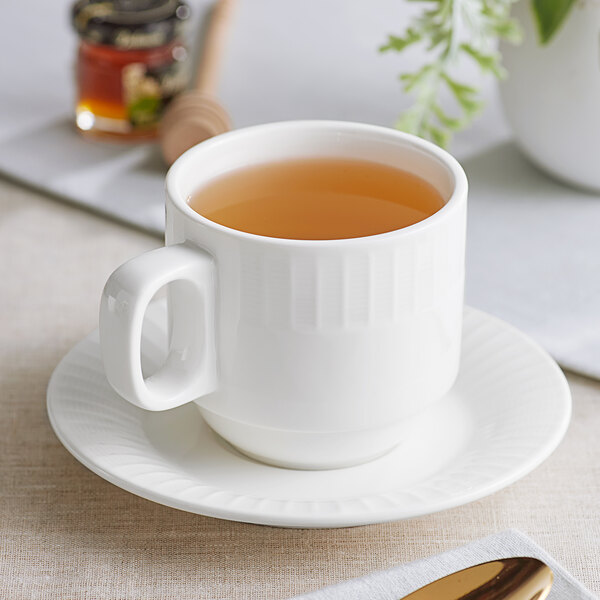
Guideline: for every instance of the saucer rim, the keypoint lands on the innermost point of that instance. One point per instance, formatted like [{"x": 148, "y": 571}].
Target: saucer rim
[{"x": 358, "y": 517}]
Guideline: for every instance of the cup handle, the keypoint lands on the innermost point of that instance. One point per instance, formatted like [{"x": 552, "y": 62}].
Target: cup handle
[{"x": 190, "y": 368}]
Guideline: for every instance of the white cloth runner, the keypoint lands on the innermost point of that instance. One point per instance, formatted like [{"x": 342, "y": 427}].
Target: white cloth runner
[
  {"x": 534, "y": 244},
  {"x": 397, "y": 582}
]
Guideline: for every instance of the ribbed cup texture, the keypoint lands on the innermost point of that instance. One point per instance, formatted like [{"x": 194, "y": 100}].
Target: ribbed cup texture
[{"x": 361, "y": 287}]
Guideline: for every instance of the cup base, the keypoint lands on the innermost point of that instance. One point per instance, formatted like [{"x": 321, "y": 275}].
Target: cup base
[
  {"x": 306, "y": 450},
  {"x": 302, "y": 466}
]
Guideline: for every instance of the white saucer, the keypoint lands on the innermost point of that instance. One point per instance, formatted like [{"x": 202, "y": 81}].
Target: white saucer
[{"x": 508, "y": 410}]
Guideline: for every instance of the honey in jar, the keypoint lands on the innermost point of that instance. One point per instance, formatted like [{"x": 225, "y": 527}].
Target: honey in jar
[{"x": 131, "y": 63}]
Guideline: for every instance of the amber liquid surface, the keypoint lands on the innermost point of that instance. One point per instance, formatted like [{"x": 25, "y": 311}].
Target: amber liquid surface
[{"x": 317, "y": 199}]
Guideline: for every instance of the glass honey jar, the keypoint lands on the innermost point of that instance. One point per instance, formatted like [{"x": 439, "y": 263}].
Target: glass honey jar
[{"x": 131, "y": 63}]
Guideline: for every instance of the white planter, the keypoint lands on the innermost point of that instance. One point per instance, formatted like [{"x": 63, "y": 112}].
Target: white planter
[{"x": 552, "y": 94}]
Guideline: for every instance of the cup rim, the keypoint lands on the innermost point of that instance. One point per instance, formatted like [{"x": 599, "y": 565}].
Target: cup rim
[{"x": 458, "y": 196}]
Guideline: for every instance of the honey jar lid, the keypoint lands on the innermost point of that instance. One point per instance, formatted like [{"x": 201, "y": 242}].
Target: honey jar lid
[{"x": 129, "y": 24}]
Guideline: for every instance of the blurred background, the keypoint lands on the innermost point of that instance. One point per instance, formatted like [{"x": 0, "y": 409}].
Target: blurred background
[{"x": 533, "y": 243}]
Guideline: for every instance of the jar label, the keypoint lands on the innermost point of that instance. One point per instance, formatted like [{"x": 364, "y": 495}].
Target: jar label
[{"x": 148, "y": 90}]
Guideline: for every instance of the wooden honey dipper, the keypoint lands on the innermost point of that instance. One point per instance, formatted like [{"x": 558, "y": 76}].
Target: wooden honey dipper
[{"x": 197, "y": 115}]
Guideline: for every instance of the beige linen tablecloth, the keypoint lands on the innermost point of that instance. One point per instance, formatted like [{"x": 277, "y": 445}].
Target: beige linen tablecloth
[{"x": 68, "y": 534}]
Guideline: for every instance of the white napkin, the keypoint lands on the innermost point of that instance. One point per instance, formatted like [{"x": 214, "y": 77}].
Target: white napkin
[
  {"x": 397, "y": 582},
  {"x": 533, "y": 254}
]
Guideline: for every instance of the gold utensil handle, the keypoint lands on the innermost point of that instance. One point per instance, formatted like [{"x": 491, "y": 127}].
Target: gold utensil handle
[{"x": 520, "y": 578}]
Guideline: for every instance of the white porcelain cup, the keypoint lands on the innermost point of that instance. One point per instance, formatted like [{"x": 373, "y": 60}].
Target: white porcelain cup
[{"x": 301, "y": 353}]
